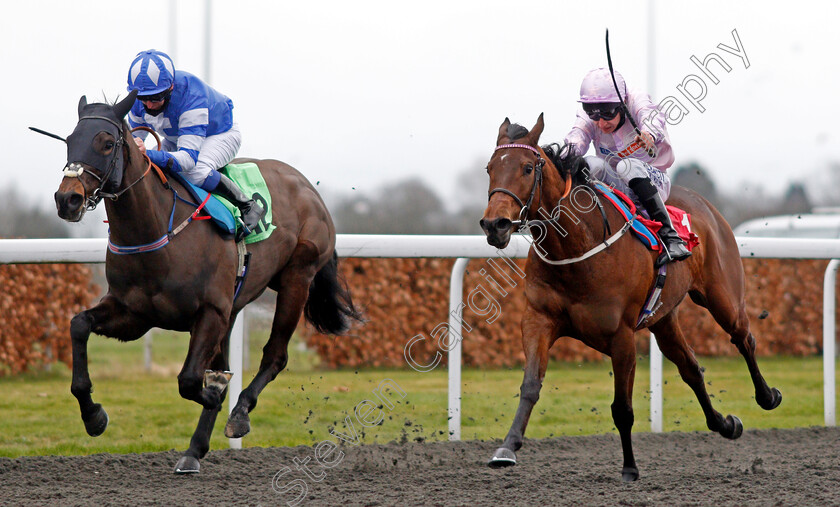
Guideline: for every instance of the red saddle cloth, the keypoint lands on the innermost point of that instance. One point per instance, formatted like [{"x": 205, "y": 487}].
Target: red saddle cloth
[
  {"x": 682, "y": 224},
  {"x": 679, "y": 218}
]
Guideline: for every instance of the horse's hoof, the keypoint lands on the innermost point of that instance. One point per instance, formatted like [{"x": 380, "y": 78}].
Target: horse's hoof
[
  {"x": 187, "y": 465},
  {"x": 502, "y": 458},
  {"x": 629, "y": 474},
  {"x": 96, "y": 423},
  {"x": 737, "y": 427},
  {"x": 237, "y": 426},
  {"x": 775, "y": 401}
]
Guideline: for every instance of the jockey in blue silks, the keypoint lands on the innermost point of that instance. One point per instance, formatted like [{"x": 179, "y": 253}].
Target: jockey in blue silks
[{"x": 199, "y": 135}]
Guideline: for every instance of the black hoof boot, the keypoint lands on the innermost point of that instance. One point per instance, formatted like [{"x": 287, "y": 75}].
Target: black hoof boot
[
  {"x": 502, "y": 458},
  {"x": 629, "y": 474},
  {"x": 96, "y": 421},
  {"x": 733, "y": 428}
]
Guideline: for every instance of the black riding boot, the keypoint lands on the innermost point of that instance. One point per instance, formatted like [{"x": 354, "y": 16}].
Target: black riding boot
[
  {"x": 250, "y": 209},
  {"x": 675, "y": 248}
]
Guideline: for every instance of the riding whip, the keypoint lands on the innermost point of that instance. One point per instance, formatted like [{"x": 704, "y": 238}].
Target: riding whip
[
  {"x": 54, "y": 136},
  {"x": 650, "y": 151}
]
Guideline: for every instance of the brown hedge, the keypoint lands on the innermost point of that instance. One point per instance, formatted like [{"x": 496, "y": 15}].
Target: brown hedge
[
  {"x": 36, "y": 305},
  {"x": 405, "y": 297}
]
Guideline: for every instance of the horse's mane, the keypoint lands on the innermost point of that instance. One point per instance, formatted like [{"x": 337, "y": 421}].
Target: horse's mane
[{"x": 567, "y": 163}]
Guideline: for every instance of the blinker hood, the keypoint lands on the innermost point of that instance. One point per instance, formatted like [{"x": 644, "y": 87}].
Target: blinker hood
[{"x": 93, "y": 119}]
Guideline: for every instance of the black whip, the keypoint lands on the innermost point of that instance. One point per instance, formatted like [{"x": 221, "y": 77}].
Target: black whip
[
  {"x": 47, "y": 134},
  {"x": 650, "y": 151}
]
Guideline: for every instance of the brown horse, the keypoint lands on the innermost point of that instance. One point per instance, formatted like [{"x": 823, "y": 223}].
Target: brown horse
[
  {"x": 188, "y": 283},
  {"x": 598, "y": 299}
]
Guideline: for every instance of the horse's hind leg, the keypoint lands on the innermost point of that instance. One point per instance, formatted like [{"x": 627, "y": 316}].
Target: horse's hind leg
[
  {"x": 108, "y": 318},
  {"x": 672, "y": 343},
  {"x": 292, "y": 291},
  {"x": 730, "y": 313},
  {"x": 538, "y": 334}
]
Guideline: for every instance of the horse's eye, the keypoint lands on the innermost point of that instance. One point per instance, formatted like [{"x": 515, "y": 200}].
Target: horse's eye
[
  {"x": 109, "y": 145},
  {"x": 487, "y": 168},
  {"x": 528, "y": 169}
]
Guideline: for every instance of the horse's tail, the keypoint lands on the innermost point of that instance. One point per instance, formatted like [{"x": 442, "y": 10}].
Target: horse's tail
[{"x": 330, "y": 308}]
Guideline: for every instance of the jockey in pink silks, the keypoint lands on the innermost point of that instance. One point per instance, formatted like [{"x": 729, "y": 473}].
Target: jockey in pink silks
[{"x": 622, "y": 155}]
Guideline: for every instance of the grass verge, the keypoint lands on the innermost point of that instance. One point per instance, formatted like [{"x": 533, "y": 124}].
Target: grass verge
[{"x": 304, "y": 403}]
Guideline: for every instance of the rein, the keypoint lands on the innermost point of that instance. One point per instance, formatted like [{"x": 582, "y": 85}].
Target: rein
[
  {"x": 75, "y": 170},
  {"x": 523, "y": 213}
]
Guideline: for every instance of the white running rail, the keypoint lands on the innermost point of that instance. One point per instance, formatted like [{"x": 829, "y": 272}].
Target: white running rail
[{"x": 20, "y": 251}]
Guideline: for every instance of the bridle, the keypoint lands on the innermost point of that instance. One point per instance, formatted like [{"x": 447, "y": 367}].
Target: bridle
[
  {"x": 523, "y": 213},
  {"x": 538, "y": 174},
  {"x": 537, "y": 186},
  {"x": 75, "y": 169}
]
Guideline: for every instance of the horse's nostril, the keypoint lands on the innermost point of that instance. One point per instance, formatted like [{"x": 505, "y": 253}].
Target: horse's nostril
[
  {"x": 496, "y": 225},
  {"x": 503, "y": 224},
  {"x": 75, "y": 200}
]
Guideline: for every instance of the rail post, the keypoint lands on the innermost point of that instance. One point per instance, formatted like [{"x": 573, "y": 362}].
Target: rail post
[{"x": 456, "y": 298}]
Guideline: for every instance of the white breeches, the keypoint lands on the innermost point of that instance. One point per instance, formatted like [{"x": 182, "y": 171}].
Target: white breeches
[
  {"x": 215, "y": 152},
  {"x": 628, "y": 169}
]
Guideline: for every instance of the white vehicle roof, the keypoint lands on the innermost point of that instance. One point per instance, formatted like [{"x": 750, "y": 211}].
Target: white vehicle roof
[{"x": 823, "y": 224}]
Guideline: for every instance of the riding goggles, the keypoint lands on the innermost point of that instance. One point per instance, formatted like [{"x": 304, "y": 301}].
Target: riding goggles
[
  {"x": 601, "y": 111},
  {"x": 156, "y": 97}
]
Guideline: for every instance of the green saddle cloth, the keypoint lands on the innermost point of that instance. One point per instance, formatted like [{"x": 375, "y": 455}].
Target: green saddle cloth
[{"x": 250, "y": 180}]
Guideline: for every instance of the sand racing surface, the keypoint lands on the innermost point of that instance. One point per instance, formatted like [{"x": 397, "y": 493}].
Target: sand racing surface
[{"x": 763, "y": 467}]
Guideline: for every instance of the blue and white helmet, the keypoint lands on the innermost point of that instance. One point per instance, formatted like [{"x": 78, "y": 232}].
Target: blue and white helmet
[{"x": 151, "y": 72}]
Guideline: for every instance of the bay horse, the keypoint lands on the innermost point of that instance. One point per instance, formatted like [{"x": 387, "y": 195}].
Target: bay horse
[
  {"x": 188, "y": 284},
  {"x": 598, "y": 299}
]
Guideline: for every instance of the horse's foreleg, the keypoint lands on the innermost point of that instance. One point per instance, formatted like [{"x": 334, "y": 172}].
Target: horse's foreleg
[
  {"x": 292, "y": 292},
  {"x": 732, "y": 317},
  {"x": 200, "y": 441},
  {"x": 623, "y": 355},
  {"x": 108, "y": 318},
  {"x": 207, "y": 338},
  {"x": 538, "y": 334},
  {"x": 672, "y": 343}
]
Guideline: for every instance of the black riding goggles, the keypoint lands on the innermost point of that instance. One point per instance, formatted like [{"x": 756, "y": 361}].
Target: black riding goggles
[
  {"x": 156, "y": 97},
  {"x": 605, "y": 111}
]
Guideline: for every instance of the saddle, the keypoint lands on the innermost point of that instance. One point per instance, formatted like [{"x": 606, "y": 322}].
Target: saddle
[
  {"x": 645, "y": 230},
  {"x": 223, "y": 213}
]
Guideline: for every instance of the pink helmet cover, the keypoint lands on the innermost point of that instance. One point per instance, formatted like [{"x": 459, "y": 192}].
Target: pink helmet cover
[{"x": 597, "y": 86}]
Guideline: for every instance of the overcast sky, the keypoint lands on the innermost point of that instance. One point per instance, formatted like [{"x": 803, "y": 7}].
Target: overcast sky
[{"x": 359, "y": 93}]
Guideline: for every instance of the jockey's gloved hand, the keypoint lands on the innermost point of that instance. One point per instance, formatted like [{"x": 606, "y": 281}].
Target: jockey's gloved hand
[
  {"x": 140, "y": 144},
  {"x": 647, "y": 141}
]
